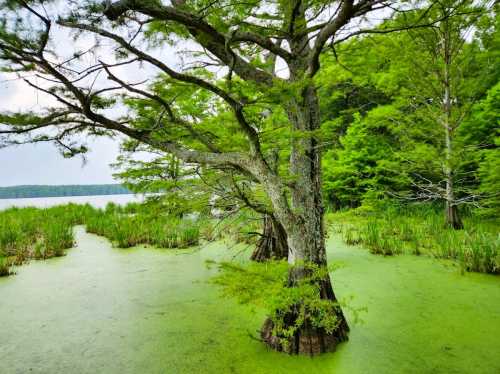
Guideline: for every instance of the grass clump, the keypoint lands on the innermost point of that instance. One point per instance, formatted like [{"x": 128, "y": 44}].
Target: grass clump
[
  {"x": 37, "y": 233},
  {"x": 481, "y": 253},
  {"x": 32, "y": 233},
  {"x": 419, "y": 229},
  {"x": 163, "y": 231}
]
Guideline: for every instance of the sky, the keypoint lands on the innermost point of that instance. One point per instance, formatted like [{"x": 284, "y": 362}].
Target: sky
[{"x": 42, "y": 163}]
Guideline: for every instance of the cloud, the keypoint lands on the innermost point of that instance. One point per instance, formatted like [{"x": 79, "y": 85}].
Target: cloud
[{"x": 42, "y": 163}]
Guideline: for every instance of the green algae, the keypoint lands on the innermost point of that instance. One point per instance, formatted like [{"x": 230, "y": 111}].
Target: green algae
[{"x": 104, "y": 310}]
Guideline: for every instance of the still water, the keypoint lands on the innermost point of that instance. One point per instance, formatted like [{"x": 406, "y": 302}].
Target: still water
[
  {"x": 107, "y": 310},
  {"x": 95, "y": 201}
]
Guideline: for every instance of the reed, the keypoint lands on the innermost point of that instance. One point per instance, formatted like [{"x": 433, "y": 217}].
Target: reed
[
  {"x": 4, "y": 267},
  {"x": 31, "y": 233},
  {"x": 419, "y": 229}
]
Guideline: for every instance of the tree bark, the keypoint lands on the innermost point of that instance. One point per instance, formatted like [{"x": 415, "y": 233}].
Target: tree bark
[
  {"x": 307, "y": 340},
  {"x": 273, "y": 243},
  {"x": 453, "y": 217}
]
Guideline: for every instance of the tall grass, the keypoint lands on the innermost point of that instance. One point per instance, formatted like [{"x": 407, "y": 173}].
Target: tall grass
[
  {"x": 420, "y": 229},
  {"x": 37, "y": 233},
  {"x": 158, "y": 230},
  {"x": 481, "y": 253},
  {"x": 379, "y": 239},
  {"x": 27, "y": 233}
]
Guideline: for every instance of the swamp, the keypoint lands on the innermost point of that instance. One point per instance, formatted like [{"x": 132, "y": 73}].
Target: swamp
[{"x": 285, "y": 186}]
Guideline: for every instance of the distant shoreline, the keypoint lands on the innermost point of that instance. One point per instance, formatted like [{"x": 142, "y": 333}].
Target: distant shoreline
[{"x": 44, "y": 191}]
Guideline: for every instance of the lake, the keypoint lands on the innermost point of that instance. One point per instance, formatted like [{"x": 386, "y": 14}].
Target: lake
[{"x": 95, "y": 201}]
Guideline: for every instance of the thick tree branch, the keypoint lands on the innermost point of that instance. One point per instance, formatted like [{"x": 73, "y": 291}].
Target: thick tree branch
[{"x": 235, "y": 105}]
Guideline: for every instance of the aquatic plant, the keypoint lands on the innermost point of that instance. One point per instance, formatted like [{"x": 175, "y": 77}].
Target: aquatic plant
[
  {"x": 4, "y": 267},
  {"x": 371, "y": 237},
  {"x": 143, "y": 227},
  {"x": 350, "y": 236},
  {"x": 418, "y": 229},
  {"x": 481, "y": 253},
  {"x": 266, "y": 285},
  {"x": 406, "y": 231}
]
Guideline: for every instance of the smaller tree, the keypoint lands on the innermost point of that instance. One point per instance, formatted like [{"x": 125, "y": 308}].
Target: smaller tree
[
  {"x": 175, "y": 188},
  {"x": 423, "y": 144},
  {"x": 447, "y": 76}
]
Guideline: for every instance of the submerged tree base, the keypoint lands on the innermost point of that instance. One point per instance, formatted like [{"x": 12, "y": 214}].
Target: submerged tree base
[{"x": 306, "y": 341}]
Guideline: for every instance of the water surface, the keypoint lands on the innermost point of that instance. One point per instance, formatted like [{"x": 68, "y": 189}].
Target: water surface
[
  {"x": 97, "y": 201},
  {"x": 107, "y": 310}
]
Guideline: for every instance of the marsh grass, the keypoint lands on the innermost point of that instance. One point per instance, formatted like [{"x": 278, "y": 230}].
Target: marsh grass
[
  {"x": 481, "y": 253},
  {"x": 420, "y": 229},
  {"x": 4, "y": 266},
  {"x": 38, "y": 233},
  {"x": 351, "y": 236},
  {"x": 32, "y": 233},
  {"x": 161, "y": 231}
]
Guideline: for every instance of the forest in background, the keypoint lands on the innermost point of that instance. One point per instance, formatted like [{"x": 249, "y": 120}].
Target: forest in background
[{"x": 417, "y": 118}]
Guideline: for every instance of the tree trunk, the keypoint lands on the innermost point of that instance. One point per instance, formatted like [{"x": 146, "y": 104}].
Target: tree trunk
[
  {"x": 452, "y": 217},
  {"x": 273, "y": 243},
  {"x": 301, "y": 211},
  {"x": 308, "y": 339},
  {"x": 306, "y": 238}
]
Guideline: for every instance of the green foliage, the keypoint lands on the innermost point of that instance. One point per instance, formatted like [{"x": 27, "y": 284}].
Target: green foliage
[
  {"x": 382, "y": 115},
  {"x": 266, "y": 285},
  {"x": 366, "y": 160},
  {"x": 484, "y": 128}
]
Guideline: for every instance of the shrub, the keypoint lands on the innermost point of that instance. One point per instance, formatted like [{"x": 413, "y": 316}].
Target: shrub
[{"x": 481, "y": 253}]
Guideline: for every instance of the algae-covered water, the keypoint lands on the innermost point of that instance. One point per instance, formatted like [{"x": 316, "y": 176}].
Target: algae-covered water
[{"x": 106, "y": 310}]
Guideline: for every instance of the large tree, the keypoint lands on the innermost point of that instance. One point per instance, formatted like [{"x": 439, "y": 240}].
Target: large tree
[{"x": 238, "y": 124}]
